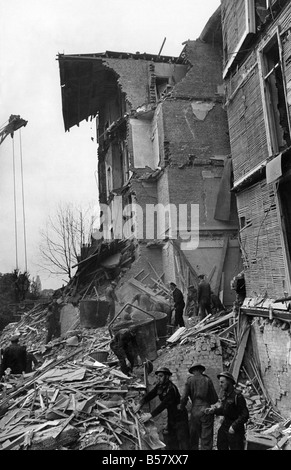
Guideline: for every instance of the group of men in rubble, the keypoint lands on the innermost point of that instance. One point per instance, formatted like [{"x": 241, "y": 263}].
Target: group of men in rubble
[
  {"x": 187, "y": 429},
  {"x": 199, "y": 303},
  {"x": 196, "y": 430}
]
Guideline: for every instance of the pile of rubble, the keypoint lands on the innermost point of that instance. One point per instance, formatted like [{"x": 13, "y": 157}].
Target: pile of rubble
[
  {"x": 77, "y": 398},
  {"x": 71, "y": 400}
]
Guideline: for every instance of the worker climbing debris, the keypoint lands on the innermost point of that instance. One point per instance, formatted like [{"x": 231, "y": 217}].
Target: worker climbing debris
[{"x": 53, "y": 321}]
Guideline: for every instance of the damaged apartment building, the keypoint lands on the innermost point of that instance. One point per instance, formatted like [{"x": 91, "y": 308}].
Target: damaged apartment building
[
  {"x": 257, "y": 75},
  {"x": 163, "y": 140}
]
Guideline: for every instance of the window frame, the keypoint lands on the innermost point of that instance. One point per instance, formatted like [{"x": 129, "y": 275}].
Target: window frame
[
  {"x": 250, "y": 27},
  {"x": 268, "y": 109}
]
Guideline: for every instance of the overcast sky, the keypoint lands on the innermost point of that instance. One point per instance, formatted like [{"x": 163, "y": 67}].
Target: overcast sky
[{"x": 60, "y": 166}]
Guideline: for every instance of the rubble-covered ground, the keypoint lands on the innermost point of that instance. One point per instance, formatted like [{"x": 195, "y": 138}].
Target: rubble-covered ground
[{"x": 76, "y": 397}]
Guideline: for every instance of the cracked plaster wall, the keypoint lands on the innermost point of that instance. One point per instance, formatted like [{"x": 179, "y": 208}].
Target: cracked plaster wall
[
  {"x": 273, "y": 347},
  {"x": 203, "y": 136}
]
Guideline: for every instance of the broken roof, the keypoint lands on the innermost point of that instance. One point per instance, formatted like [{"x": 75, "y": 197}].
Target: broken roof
[{"x": 87, "y": 81}]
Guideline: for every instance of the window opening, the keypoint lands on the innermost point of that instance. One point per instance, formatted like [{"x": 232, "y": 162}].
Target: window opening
[
  {"x": 275, "y": 98},
  {"x": 161, "y": 86},
  {"x": 261, "y": 12}
]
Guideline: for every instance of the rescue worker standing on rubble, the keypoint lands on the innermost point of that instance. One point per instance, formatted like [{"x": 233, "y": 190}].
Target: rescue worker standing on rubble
[
  {"x": 53, "y": 321},
  {"x": 191, "y": 309},
  {"x": 168, "y": 393},
  {"x": 238, "y": 284},
  {"x": 232, "y": 406},
  {"x": 200, "y": 389},
  {"x": 204, "y": 297},
  {"x": 179, "y": 305},
  {"x": 124, "y": 347},
  {"x": 111, "y": 299},
  {"x": 14, "y": 357}
]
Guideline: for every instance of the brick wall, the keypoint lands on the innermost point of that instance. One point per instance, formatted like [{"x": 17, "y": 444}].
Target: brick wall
[
  {"x": 133, "y": 79},
  {"x": 205, "y": 76},
  {"x": 273, "y": 347},
  {"x": 206, "y": 350},
  {"x": 188, "y": 134}
]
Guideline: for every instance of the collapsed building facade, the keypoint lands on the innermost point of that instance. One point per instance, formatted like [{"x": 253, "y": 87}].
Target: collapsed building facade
[
  {"x": 162, "y": 142},
  {"x": 197, "y": 129},
  {"x": 163, "y": 138},
  {"x": 257, "y": 75}
]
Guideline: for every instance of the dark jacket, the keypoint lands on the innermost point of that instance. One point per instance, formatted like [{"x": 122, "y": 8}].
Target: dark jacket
[
  {"x": 178, "y": 298},
  {"x": 234, "y": 409},
  {"x": 53, "y": 315},
  {"x": 123, "y": 337},
  {"x": 200, "y": 390},
  {"x": 14, "y": 357},
  {"x": 170, "y": 398},
  {"x": 204, "y": 292}
]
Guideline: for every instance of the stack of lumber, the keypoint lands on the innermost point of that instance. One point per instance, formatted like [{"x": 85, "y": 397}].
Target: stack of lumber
[{"x": 220, "y": 325}]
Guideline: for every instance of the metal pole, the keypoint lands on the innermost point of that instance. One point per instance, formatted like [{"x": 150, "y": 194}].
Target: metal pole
[{"x": 15, "y": 207}]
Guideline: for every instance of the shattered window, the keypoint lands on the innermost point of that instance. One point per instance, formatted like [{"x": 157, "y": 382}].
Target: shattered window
[
  {"x": 162, "y": 84},
  {"x": 261, "y": 9},
  {"x": 275, "y": 97}
]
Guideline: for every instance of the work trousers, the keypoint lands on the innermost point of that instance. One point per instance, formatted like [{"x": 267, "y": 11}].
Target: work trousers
[
  {"x": 201, "y": 428},
  {"x": 178, "y": 437},
  {"x": 179, "y": 320},
  {"x": 227, "y": 441},
  {"x": 53, "y": 330},
  {"x": 204, "y": 308},
  {"x": 122, "y": 353}
]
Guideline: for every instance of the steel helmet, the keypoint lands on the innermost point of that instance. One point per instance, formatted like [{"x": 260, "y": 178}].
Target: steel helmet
[
  {"x": 196, "y": 366},
  {"x": 227, "y": 375},
  {"x": 164, "y": 370}
]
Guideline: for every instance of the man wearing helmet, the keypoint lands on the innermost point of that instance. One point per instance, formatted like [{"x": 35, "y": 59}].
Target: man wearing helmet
[
  {"x": 200, "y": 389},
  {"x": 168, "y": 393},
  {"x": 232, "y": 406}
]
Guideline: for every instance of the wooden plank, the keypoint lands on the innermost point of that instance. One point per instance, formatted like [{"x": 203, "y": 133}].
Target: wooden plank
[
  {"x": 216, "y": 322},
  {"x": 240, "y": 353},
  {"x": 158, "y": 277},
  {"x": 227, "y": 330},
  {"x": 65, "y": 424},
  {"x": 141, "y": 287},
  {"x": 183, "y": 256},
  {"x": 136, "y": 276},
  {"x": 263, "y": 312},
  {"x": 211, "y": 274},
  {"x": 220, "y": 267}
]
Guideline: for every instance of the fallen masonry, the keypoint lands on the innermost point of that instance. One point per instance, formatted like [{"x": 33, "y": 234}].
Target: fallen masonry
[{"x": 72, "y": 400}]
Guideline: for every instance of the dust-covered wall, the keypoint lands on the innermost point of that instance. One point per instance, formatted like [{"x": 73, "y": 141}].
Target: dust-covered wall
[
  {"x": 272, "y": 342},
  {"x": 187, "y": 131}
]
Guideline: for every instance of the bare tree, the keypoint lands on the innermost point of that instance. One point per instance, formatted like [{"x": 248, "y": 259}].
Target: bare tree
[{"x": 61, "y": 240}]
